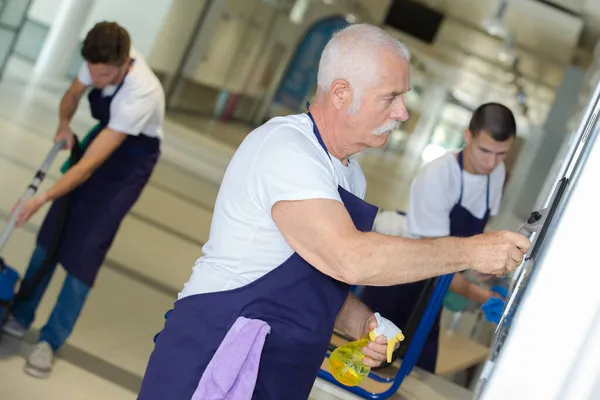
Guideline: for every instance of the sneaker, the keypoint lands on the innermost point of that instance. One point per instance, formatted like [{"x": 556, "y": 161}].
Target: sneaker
[
  {"x": 39, "y": 362},
  {"x": 13, "y": 328}
]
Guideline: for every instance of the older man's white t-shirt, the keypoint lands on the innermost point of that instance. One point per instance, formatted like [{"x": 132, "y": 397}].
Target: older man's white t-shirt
[
  {"x": 436, "y": 189},
  {"x": 280, "y": 160},
  {"x": 139, "y": 106}
]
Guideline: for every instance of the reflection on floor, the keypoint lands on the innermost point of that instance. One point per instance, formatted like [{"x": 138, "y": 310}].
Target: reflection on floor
[
  {"x": 153, "y": 252},
  {"x": 230, "y": 133}
]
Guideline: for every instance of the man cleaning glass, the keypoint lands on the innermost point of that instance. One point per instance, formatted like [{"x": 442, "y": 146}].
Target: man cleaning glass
[{"x": 454, "y": 195}]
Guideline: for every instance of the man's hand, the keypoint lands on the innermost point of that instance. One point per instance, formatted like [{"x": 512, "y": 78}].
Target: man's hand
[
  {"x": 64, "y": 132},
  {"x": 97, "y": 152},
  {"x": 31, "y": 206},
  {"x": 68, "y": 106},
  {"x": 376, "y": 352},
  {"x": 481, "y": 277},
  {"x": 497, "y": 252},
  {"x": 460, "y": 285}
]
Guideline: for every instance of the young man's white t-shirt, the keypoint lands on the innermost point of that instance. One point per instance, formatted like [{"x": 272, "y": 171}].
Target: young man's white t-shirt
[
  {"x": 280, "y": 160},
  {"x": 436, "y": 189},
  {"x": 139, "y": 106}
]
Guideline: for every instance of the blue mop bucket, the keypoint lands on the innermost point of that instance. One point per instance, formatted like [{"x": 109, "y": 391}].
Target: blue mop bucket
[
  {"x": 8, "y": 283},
  {"x": 8, "y": 275}
]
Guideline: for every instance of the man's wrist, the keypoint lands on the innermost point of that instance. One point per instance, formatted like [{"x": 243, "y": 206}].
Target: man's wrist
[
  {"x": 478, "y": 294},
  {"x": 64, "y": 124},
  {"x": 458, "y": 251},
  {"x": 42, "y": 198},
  {"x": 364, "y": 328}
]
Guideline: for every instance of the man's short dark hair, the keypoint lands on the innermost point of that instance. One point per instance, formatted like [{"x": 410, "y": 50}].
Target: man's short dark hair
[
  {"x": 106, "y": 43},
  {"x": 495, "y": 119}
]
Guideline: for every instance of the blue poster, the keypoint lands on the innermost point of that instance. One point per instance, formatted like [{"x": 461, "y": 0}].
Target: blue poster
[{"x": 301, "y": 74}]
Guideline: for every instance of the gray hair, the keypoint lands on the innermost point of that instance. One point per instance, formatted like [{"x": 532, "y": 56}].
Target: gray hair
[{"x": 353, "y": 54}]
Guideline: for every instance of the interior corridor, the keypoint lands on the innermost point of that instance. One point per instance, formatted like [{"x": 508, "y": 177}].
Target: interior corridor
[{"x": 153, "y": 253}]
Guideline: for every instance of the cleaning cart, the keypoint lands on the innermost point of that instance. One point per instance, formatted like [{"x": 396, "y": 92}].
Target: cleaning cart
[
  {"x": 416, "y": 330},
  {"x": 432, "y": 299},
  {"x": 9, "y": 277}
]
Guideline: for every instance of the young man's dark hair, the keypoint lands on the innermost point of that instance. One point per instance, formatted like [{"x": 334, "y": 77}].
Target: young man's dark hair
[
  {"x": 495, "y": 119},
  {"x": 106, "y": 43}
]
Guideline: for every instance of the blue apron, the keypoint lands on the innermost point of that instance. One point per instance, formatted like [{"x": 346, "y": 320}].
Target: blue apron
[
  {"x": 299, "y": 302},
  {"x": 397, "y": 302},
  {"x": 98, "y": 206}
]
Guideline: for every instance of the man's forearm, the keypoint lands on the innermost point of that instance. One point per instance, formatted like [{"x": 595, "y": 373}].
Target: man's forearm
[
  {"x": 68, "y": 106},
  {"x": 353, "y": 317},
  {"x": 96, "y": 153},
  {"x": 463, "y": 287},
  {"x": 73, "y": 178},
  {"x": 323, "y": 233},
  {"x": 381, "y": 260}
]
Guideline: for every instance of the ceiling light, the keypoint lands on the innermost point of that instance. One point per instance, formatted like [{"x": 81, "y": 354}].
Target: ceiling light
[{"x": 494, "y": 25}]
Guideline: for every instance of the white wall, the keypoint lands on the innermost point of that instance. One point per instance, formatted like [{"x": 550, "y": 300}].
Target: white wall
[
  {"x": 242, "y": 38},
  {"x": 44, "y": 11},
  {"x": 235, "y": 45},
  {"x": 141, "y": 18},
  {"x": 172, "y": 39}
]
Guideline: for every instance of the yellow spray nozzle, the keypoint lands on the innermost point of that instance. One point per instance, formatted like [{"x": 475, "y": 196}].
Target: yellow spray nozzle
[
  {"x": 372, "y": 335},
  {"x": 391, "y": 344}
]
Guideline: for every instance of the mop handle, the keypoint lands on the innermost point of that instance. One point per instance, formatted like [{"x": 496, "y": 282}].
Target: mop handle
[{"x": 30, "y": 191}]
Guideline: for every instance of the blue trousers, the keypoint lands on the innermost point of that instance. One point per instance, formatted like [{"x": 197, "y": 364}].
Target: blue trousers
[
  {"x": 357, "y": 291},
  {"x": 66, "y": 310}
]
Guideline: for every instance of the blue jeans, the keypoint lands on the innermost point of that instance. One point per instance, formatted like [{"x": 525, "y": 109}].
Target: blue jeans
[
  {"x": 66, "y": 310},
  {"x": 357, "y": 291}
]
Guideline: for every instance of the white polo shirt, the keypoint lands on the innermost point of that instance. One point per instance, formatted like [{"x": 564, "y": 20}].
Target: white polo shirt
[
  {"x": 280, "y": 160},
  {"x": 139, "y": 107},
  {"x": 436, "y": 189}
]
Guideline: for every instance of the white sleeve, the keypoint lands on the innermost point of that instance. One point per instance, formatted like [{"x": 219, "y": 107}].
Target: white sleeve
[
  {"x": 289, "y": 167},
  {"x": 429, "y": 209},
  {"x": 84, "y": 75},
  {"x": 130, "y": 111},
  {"x": 497, "y": 186}
]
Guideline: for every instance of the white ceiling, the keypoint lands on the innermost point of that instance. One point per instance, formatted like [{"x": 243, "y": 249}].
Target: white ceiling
[
  {"x": 591, "y": 15},
  {"x": 536, "y": 27},
  {"x": 546, "y": 40},
  {"x": 589, "y": 10}
]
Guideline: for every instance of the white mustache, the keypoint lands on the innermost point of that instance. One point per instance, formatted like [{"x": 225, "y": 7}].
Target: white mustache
[{"x": 388, "y": 126}]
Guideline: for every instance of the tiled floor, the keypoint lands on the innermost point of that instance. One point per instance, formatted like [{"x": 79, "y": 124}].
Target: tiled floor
[{"x": 150, "y": 260}]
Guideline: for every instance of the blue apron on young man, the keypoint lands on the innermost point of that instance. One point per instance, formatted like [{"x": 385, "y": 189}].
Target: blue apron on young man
[
  {"x": 97, "y": 207},
  {"x": 397, "y": 302},
  {"x": 300, "y": 304}
]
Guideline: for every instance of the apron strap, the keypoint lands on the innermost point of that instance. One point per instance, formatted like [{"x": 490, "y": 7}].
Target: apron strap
[
  {"x": 460, "y": 165},
  {"x": 131, "y": 61},
  {"x": 316, "y": 131},
  {"x": 487, "y": 198}
]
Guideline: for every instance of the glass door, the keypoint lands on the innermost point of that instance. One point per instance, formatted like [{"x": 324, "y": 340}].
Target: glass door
[
  {"x": 448, "y": 134},
  {"x": 12, "y": 17}
]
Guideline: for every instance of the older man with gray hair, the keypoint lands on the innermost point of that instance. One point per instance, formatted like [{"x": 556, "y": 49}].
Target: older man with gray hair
[{"x": 291, "y": 232}]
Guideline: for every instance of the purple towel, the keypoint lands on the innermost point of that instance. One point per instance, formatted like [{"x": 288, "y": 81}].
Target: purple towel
[{"x": 232, "y": 372}]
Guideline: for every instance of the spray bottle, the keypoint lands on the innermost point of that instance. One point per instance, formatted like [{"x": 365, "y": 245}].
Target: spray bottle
[{"x": 345, "y": 362}]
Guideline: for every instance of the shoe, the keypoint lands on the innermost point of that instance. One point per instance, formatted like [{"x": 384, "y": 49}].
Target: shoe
[
  {"x": 13, "y": 328},
  {"x": 39, "y": 362}
]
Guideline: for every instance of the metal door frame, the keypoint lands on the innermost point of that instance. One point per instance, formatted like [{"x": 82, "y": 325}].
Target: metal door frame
[{"x": 17, "y": 33}]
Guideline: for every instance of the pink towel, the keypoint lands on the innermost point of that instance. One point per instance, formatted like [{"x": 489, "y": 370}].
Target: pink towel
[{"x": 232, "y": 372}]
